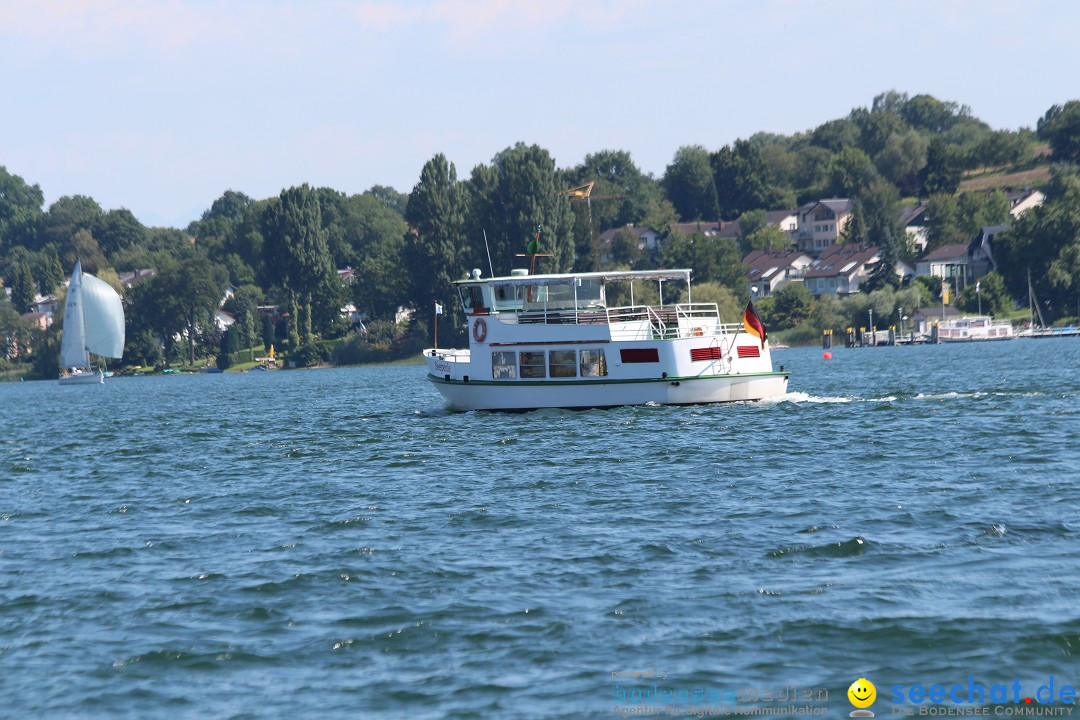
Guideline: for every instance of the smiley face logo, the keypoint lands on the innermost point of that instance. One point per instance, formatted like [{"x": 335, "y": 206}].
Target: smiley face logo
[{"x": 862, "y": 693}]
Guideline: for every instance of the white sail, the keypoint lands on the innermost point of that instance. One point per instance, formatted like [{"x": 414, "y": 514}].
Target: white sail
[
  {"x": 103, "y": 317},
  {"x": 73, "y": 344}
]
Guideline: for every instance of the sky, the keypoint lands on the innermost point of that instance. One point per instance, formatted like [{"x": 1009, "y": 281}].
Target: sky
[{"x": 161, "y": 106}]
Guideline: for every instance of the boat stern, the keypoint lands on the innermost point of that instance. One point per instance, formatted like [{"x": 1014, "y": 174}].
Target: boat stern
[{"x": 448, "y": 364}]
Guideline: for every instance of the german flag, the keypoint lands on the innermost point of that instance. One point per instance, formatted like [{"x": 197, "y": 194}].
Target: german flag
[{"x": 752, "y": 324}]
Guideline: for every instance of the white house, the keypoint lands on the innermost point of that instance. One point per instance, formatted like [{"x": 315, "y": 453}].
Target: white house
[
  {"x": 821, "y": 223},
  {"x": 769, "y": 271},
  {"x": 223, "y": 320},
  {"x": 916, "y": 222},
  {"x": 1024, "y": 200},
  {"x": 948, "y": 261},
  {"x": 843, "y": 269}
]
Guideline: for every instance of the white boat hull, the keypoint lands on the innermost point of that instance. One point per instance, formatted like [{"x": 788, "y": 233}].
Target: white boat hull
[
  {"x": 89, "y": 378},
  {"x": 491, "y": 395}
]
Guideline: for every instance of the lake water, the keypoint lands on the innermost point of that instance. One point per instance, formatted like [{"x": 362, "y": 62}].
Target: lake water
[{"x": 334, "y": 544}]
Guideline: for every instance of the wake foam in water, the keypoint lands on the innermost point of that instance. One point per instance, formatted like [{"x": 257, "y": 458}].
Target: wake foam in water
[{"x": 801, "y": 397}]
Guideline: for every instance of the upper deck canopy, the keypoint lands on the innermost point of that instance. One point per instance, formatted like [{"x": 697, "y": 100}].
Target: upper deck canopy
[{"x": 565, "y": 278}]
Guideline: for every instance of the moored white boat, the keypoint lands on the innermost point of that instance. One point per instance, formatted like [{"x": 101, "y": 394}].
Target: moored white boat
[
  {"x": 552, "y": 341},
  {"x": 979, "y": 327}
]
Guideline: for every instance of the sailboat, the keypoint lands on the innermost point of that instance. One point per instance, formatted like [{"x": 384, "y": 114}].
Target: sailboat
[{"x": 93, "y": 323}]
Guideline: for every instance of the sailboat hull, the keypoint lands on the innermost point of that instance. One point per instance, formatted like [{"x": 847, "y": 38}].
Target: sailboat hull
[{"x": 86, "y": 378}]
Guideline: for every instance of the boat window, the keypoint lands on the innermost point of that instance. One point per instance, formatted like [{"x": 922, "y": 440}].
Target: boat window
[
  {"x": 504, "y": 365},
  {"x": 593, "y": 363},
  {"x": 472, "y": 296},
  {"x": 590, "y": 293},
  {"x": 507, "y": 297},
  {"x": 533, "y": 365},
  {"x": 639, "y": 355},
  {"x": 563, "y": 363},
  {"x": 560, "y": 297}
]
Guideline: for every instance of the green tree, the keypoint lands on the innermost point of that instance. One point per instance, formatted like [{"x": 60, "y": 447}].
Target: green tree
[
  {"x": 836, "y": 135},
  {"x": 23, "y": 290},
  {"x": 20, "y": 211},
  {"x": 855, "y": 231},
  {"x": 296, "y": 252},
  {"x": 769, "y": 237},
  {"x": 1060, "y": 126},
  {"x": 876, "y": 127},
  {"x": 813, "y": 167},
  {"x": 1000, "y": 147},
  {"x": 49, "y": 273},
  {"x": 244, "y": 306},
  {"x": 621, "y": 195},
  {"x": 390, "y": 198},
  {"x": 179, "y": 300},
  {"x": 728, "y": 305},
  {"x": 379, "y": 239},
  {"x": 1045, "y": 242},
  {"x": 988, "y": 296},
  {"x": 519, "y": 191},
  {"x": 12, "y": 329},
  {"x": 943, "y": 169},
  {"x": 792, "y": 305},
  {"x": 945, "y": 224},
  {"x": 751, "y": 221},
  {"x": 118, "y": 230},
  {"x": 690, "y": 185},
  {"x": 64, "y": 219},
  {"x": 901, "y": 159},
  {"x": 928, "y": 114},
  {"x": 879, "y": 202},
  {"x": 82, "y": 246},
  {"x": 851, "y": 170},
  {"x": 741, "y": 180},
  {"x": 625, "y": 249},
  {"x": 437, "y": 250},
  {"x": 993, "y": 210}
]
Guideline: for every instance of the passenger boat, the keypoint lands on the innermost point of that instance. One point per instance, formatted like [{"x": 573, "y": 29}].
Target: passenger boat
[
  {"x": 564, "y": 341},
  {"x": 979, "y": 327}
]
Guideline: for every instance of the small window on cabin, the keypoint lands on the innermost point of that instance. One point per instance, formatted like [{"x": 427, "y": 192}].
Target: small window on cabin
[
  {"x": 593, "y": 363},
  {"x": 472, "y": 296},
  {"x": 507, "y": 297},
  {"x": 590, "y": 293},
  {"x": 533, "y": 365},
  {"x": 504, "y": 365},
  {"x": 562, "y": 363}
]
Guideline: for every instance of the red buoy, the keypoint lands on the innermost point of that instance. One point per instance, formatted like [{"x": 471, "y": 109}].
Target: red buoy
[{"x": 827, "y": 356}]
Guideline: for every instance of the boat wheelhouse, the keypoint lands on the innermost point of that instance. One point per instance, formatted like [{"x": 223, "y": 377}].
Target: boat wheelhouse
[{"x": 599, "y": 339}]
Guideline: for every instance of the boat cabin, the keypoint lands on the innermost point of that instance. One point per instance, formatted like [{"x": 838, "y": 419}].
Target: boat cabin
[{"x": 644, "y": 304}]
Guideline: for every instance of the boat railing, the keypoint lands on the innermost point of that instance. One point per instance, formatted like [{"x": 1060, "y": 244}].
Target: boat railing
[
  {"x": 638, "y": 322},
  {"x": 692, "y": 312},
  {"x": 657, "y": 325}
]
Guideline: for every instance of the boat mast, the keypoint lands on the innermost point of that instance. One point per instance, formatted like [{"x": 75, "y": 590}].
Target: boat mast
[{"x": 1034, "y": 302}]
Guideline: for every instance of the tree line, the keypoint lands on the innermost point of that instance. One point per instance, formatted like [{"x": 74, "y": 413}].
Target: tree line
[{"x": 406, "y": 248}]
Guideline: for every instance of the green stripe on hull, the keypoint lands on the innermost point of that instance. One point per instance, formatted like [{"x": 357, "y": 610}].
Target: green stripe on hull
[{"x": 534, "y": 383}]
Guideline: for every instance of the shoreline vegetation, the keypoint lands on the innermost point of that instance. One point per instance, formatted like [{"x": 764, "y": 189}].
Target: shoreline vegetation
[{"x": 327, "y": 278}]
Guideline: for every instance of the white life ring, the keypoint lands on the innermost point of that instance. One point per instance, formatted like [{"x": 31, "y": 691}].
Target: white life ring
[{"x": 479, "y": 330}]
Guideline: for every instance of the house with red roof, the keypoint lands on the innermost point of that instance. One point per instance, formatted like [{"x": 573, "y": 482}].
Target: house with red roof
[
  {"x": 843, "y": 269},
  {"x": 768, "y": 271}
]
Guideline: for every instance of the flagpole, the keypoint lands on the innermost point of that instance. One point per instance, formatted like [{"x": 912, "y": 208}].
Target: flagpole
[
  {"x": 436, "y": 325},
  {"x": 742, "y": 320}
]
